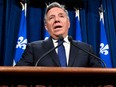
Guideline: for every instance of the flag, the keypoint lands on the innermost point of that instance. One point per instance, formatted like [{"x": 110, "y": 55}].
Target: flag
[
  {"x": 46, "y": 34},
  {"x": 22, "y": 38},
  {"x": 78, "y": 28},
  {"x": 104, "y": 47}
]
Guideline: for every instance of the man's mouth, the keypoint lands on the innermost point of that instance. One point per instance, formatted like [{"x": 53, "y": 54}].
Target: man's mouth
[{"x": 56, "y": 27}]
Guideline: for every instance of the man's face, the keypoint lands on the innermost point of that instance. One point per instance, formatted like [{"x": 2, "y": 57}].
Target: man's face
[{"x": 57, "y": 22}]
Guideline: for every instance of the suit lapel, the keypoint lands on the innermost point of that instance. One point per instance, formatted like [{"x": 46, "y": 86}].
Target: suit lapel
[
  {"x": 72, "y": 57},
  {"x": 48, "y": 44}
]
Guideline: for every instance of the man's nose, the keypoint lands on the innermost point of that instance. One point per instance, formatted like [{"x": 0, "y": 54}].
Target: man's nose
[{"x": 57, "y": 19}]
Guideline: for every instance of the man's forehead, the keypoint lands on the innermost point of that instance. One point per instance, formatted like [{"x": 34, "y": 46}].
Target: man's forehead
[{"x": 56, "y": 10}]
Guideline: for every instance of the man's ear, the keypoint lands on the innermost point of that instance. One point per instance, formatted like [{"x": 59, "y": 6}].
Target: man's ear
[{"x": 68, "y": 24}]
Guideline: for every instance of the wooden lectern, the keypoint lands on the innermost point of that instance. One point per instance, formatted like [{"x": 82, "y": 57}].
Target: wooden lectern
[{"x": 54, "y": 76}]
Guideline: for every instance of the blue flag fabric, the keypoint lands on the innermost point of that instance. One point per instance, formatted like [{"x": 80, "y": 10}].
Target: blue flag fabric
[
  {"x": 46, "y": 34},
  {"x": 78, "y": 28},
  {"x": 22, "y": 38},
  {"x": 104, "y": 47}
]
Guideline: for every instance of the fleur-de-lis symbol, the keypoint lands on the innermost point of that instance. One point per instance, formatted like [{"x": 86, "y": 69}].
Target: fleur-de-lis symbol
[
  {"x": 46, "y": 38},
  {"x": 104, "y": 48},
  {"x": 21, "y": 43}
]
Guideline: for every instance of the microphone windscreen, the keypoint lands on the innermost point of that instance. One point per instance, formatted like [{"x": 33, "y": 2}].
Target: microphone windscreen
[
  {"x": 70, "y": 38},
  {"x": 61, "y": 38}
]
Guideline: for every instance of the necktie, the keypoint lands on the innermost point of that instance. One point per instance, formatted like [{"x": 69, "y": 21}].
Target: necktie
[{"x": 62, "y": 54}]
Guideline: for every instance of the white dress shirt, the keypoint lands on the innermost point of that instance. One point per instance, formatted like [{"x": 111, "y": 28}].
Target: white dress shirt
[{"x": 66, "y": 46}]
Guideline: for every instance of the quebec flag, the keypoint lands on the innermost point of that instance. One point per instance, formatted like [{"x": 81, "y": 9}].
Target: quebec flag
[
  {"x": 78, "y": 28},
  {"x": 46, "y": 34},
  {"x": 22, "y": 38},
  {"x": 104, "y": 47}
]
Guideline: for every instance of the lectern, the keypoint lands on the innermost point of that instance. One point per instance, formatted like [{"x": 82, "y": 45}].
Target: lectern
[{"x": 58, "y": 76}]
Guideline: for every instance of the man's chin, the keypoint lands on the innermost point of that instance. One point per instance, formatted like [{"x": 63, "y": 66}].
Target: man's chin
[{"x": 58, "y": 35}]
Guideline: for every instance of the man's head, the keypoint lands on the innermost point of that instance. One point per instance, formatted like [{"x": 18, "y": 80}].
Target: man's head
[{"x": 56, "y": 20}]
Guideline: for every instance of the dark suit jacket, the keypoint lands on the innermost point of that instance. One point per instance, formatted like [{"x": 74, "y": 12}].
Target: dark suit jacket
[{"x": 77, "y": 57}]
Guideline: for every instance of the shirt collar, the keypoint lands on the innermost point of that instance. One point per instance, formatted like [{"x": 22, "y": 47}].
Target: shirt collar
[{"x": 65, "y": 40}]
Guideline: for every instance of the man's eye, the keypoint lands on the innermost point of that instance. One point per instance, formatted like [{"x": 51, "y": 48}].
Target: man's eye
[
  {"x": 50, "y": 18},
  {"x": 62, "y": 16}
]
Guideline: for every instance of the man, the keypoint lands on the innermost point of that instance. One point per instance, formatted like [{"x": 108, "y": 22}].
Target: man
[{"x": 57, "y": 23}]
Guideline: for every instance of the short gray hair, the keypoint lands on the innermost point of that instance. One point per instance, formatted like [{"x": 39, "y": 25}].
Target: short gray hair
[{"x": 52, "y": 5}]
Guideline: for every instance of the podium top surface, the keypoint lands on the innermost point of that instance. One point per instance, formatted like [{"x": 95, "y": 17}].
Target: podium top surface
[{"x": 25, "y": 69}]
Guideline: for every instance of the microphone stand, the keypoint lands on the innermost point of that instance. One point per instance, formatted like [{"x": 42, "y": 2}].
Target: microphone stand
[
  {"x": 70, "y": 39},
  {"x": 48, "y": 52}
]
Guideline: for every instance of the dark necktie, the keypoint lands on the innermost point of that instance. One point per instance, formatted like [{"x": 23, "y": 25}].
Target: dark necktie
[{"x": 62, "y": 54}]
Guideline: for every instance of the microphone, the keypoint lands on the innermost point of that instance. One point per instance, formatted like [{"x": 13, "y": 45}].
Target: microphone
[
  {"x": 70, "y": 39},
  {"x": 43, "y": 56}
]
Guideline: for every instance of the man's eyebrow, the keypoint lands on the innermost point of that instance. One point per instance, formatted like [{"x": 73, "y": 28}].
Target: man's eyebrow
[
  {"x": 61, "y": 13},
  {"x": 51, "y": 15}
]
